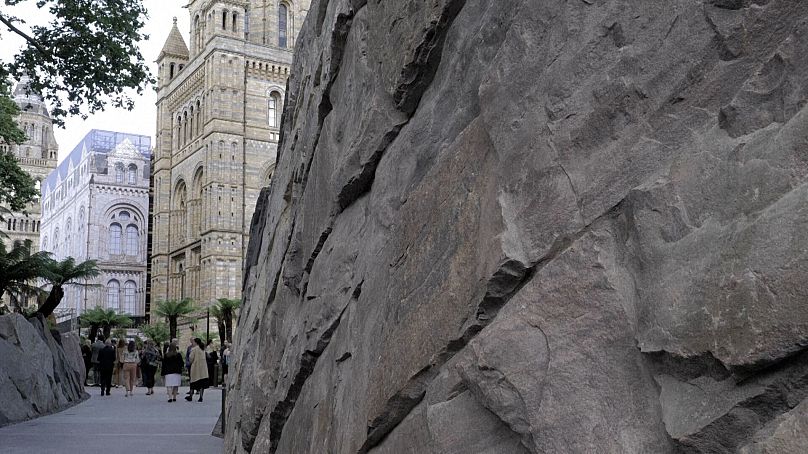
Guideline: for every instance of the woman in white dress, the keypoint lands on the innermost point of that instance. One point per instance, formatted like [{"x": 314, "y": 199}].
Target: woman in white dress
[{"x": 172, "y": 371}]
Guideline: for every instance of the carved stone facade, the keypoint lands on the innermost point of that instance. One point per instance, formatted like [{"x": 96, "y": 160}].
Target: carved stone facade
[
  {"x": 37, "y": 156},
  {"x": 95, "y": 206},
  {"x": 218, "y": 115}
]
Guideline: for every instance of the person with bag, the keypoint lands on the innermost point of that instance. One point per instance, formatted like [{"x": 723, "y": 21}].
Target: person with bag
[
  {"x": 148, "y": 365},
  {"x": 131, "y": 358},
  {"x": 199, "y": 370},
  {"x": 172, "y": 371}
]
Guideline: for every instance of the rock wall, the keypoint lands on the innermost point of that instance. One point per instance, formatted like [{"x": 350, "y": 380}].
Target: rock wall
[
  {"x": 503, "y": 226},
  {"x": 37, "y": 376}
]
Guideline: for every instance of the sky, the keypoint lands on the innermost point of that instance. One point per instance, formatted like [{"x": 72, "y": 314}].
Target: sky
[{"x": 141, "y": 120}]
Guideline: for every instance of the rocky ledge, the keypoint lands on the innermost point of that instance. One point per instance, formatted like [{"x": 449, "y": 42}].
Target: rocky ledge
[
  {"x": 503, "y": 226},
  {"x": 37, "y": 376}
]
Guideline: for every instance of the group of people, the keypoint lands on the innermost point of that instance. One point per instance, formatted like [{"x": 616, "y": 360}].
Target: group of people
[{"x": 125, "y": 363}]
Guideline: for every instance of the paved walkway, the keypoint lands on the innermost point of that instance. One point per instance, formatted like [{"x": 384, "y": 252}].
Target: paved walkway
[{"x": 116, "y": 424}]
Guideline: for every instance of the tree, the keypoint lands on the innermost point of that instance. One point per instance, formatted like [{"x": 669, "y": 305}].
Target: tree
[
  {"x": 88, "y": 50},
  {"x": 172, "y": 310},
  {"x": 111, "y": 319},
  {"x": 85, "y": 58},
  {"x": 19, "y": 268},
  {"x": 156, "y": 331},
  {"x": 228, "y": 309},
  {"x": 60, "y": 274},
  {"x": 216, "y": 312},
  {"x": 92, "y": 318}
]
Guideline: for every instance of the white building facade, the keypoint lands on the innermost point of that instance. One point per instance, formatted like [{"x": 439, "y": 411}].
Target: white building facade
[{"x": 95, "y": 206}]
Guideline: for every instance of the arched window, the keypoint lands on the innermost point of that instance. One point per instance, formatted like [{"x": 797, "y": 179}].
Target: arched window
[
  {"x": 113, "y": 295},
  {"x": 129, "y": 289},
  {"x": 274, "y": 105},
  {"x": 131, "y": 239},
  {"x": 115, "y": 239},
  {"x": 224, "y": 20},
  {"x": 132, "y": 174},
  {"x": 170, "y": 71},
  {"x": 283, "y": 15},
  {"x": 119, "y": 173},
  {"x": 45, "y": 243},
  {"x": 235, "y": 19},
  {"x": 56, "y": 240}
]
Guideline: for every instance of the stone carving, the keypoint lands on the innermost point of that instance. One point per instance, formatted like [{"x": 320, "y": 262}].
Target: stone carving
[{"x": 529, "y": 227}]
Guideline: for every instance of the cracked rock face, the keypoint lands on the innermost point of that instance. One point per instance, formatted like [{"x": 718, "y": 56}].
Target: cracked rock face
[
  {"x": 529, "y": 227},
  {"x": 38, "y": 375}
]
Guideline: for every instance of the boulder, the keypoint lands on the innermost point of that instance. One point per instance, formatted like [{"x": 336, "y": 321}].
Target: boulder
[
  {"x": 37, "y": 376},
  {"x": 517, "y": 226}
]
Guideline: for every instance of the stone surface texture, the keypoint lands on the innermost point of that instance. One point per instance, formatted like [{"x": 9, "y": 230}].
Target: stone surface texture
[
  {"x": 533, "y": 227},
  {"x": 37, "y": 372}
]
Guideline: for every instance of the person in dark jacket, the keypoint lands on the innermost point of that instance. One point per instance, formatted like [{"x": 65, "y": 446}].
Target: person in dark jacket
[
  {"x": 106, "y": 364},
  {"x": 148, "y": 365},
  {"x": 172, "y": 371},
  {"x": 87, "y": 355}
]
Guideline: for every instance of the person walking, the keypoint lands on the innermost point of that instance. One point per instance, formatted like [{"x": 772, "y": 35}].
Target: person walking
[
  {"x": 199, "y": 370},
  {"x": 131, "y": 358},
  {"x": 119, "y": 351},
  {"x": 212, "y": 358},
  {"x": 148, "y": 365},
  {"x": 188, "y": 365},
  {"x": 106, "y": 364},
  {"x": 225, "y": 362},
  {"x": 96, "y": 348},
  {"x": 87, "y": 356},
  {"x": 172, "y": 371}
]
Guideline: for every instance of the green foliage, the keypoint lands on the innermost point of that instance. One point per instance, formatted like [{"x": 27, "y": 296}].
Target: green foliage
[
  {"x": 99, "y": 317},
  {"x": 205, "y": 337},
  {"x": 172, "y": 310},
  {"x": 119, "y": 333},
  {"x": 63, "y": 273},
  {"x": 16, "y": 187},
  {"x": 227, "y": 308},
  {"x": 156, "y": 331},
  {"x": 87, "y": 51},
  {"x": 10, "y": 132},
  {"x": 19, "y": 269}
]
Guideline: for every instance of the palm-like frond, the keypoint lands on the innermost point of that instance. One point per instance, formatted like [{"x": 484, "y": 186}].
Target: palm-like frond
[
  {"x": 19, "y": 268},
  {"x": 175, "y": 308},
  {"x": 67, "y": 272}
]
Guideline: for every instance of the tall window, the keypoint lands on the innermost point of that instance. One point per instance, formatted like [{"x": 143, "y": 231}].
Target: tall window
[
  {"x": 113, "y": 295},
  {"x": 129, "y": 297},
  {"x": 283, "y": 13},
  {"x": 115, "y": 239},
  {"x": 131, "y": 240},
  {"x": 119, "y": 173},
  {"x": 274, "y": 103},
  {"x": 132, "y": 174}
]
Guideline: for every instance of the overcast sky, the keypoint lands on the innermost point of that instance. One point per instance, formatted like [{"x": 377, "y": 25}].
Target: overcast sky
[{"x": 141, "y": 120}]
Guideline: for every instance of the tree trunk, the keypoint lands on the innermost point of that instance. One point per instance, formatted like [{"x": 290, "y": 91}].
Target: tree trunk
[
  {"x": 107, "y": 331},
  {"x": 172, "y": 327},
  {"x": 54, "y": 298},
  {"x": 222, "y": 329},
  {"x": 228, "y": 324}
]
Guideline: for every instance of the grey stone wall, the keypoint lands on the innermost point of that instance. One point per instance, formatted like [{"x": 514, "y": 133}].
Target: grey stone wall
[
  {"x": 533, "y": 227},
  {"x": 38, "y": 375}
]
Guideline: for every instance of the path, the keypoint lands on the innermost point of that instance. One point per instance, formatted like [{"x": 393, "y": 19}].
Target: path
[{"x": 117, "y": 424}]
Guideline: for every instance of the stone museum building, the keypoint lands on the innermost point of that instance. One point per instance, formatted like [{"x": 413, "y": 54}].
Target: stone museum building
[
  {"x": 95, "y": 205},
  {"x": 37, "y": 156},
  {"x": 219, "y": 106}
]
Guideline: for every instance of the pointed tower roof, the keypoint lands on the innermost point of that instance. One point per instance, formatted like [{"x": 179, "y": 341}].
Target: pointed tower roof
[{"x": 175, "y": 44}]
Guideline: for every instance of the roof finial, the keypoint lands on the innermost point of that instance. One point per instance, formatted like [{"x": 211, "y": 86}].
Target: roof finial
[{"x": 175, "y": 20}]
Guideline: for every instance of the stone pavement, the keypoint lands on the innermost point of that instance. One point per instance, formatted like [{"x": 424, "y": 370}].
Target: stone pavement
[{"x": 117, "y": 424}]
